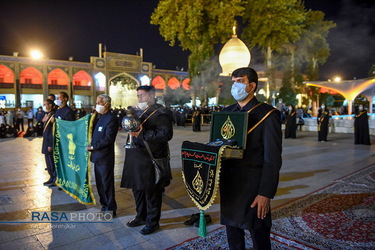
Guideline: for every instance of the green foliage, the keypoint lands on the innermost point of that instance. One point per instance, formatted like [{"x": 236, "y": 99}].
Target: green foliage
[
  {"x": 225, "y": 96},
  {"x": 286, "y": 91},
  {"x": 313, "y": 47},
  {"x": 197, "y": 25},
  {"x": 206, "y": 83},
  {"x": 178, "y": 96},
  {"x": 273, "y": 22}
]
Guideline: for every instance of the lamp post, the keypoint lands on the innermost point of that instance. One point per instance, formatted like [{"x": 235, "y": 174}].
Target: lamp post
[{"x": 36, "y": 54}]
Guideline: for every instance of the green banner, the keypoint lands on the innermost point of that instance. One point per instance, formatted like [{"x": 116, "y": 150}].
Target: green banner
[{"x": 72, "y": 160}]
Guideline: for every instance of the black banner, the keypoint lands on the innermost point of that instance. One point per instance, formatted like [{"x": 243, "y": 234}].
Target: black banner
[{"x": 201, "y": 171}]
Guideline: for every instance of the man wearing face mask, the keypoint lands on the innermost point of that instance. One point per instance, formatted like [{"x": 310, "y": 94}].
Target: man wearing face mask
[
  {"x": 247, "y": 185},
  {"x": 103, "y": 153},
  {"x": 63, "y": 112},
  {"x": 155, "y": 129},
  {"x": 323, "y": 122},
  {"x": 48, "y": 142}
]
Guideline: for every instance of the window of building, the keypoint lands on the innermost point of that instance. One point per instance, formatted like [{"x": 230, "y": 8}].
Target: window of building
[
  {"x": 54, "y": 82},
  {"x": 28, "y": 80}
]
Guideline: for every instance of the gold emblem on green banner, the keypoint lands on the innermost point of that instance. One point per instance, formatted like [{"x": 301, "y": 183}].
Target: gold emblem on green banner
[{"x": 228, "y": 130}]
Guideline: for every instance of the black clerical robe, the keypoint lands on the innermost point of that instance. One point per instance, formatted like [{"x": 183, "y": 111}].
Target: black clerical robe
[{"x": 257, "y": 173}]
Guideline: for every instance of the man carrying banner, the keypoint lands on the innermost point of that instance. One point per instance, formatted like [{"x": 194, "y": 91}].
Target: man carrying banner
[
  {"x": 103, "y": 153},
  {"x": 247, "y": 185},
  {"x": 139, "y": 174},
  {"x": 63, "y": 111}
]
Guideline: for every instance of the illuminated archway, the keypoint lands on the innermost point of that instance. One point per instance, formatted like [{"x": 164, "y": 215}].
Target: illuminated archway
[
  {"x": 6, "y": 75},
  {"x": 58, "y": 79},
  {"x": 82, "y": 80},
  {"x": 31, "y": 76},
  {"x": 158, "y": 83},
  {"x": 100, "y": 81},
  {"x": 123, "y": 90},
  {"x": 185, "y": 84},
  {"x": 173, "y": 83}
]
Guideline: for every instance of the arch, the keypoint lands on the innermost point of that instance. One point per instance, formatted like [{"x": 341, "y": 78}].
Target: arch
[
  {"x": 81, "y": 78},
  {"x": 123, "y": 90},
  {"x": 158, "y": 82},
  {"x": 173, "y": 83},
  {"x": 6, "y": 75},
  {"x": 100, "y": 81},
  {"x": 58, "y": 77},
  {"x": 31, "y": 75},
  {"x": 185, "y": 84}
]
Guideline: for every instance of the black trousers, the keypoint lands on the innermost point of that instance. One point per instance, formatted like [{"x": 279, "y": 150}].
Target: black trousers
[
  {"x": 236, "y": 238},
  {"x": 50, "y": 165},
  {"x": 105, "y": 183},
  {"x": 148, "y": 205},
  {"x": 19, "y": 122}
]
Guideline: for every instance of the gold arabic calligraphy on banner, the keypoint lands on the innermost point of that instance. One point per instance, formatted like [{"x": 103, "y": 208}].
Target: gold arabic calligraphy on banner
[{"x": 228, "y": 130}]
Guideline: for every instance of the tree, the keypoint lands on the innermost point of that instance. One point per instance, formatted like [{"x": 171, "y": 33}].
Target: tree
[
  {"x": 313, "y": 45},
  {"x": 206, "y": 82},
  {"x": 271, "y": 24},
  {"x": 178, "y": 96},
  {"x": 197, "y": 25},
  {"x": 286, "y": 91}
]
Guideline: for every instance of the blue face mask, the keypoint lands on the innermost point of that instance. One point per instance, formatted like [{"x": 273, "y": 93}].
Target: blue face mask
[{"x": 238, "y": 91}]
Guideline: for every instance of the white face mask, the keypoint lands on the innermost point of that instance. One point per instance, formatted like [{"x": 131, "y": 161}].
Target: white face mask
[
  {"x": 58, "y": 102},
  {"x": 99, "y": 108},
  {"x": 323, "y": 107},
  {"x": 142, "y": 105},
  {"x": 238, "y": 91},
  {"x": 45, "y": 109},
  {"x": 360, "y": 108}
]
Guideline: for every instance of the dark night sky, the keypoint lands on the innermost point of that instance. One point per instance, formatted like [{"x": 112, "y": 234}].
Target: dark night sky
[{"x": 75, "y": 28}]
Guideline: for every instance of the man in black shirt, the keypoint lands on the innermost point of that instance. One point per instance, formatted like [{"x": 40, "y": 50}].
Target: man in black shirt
[{"x": 247, "y": 185}]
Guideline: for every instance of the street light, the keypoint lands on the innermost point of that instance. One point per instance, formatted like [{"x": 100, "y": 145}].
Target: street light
[
  {"x": 337, "y": 79},
  {"x": 36, "y": 54}
]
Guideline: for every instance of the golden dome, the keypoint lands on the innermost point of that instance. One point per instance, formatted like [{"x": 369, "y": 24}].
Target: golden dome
[{"x": 233, "y": 55}]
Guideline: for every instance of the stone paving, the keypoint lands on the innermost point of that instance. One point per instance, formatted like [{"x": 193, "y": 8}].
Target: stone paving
[{"x": 308, "y": 165}]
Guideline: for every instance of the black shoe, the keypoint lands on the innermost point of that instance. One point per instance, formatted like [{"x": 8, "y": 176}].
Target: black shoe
[
  {"x": 45, "y": 169},
  {"x": 48, "y": 182},
  {"x": 52, "y": 184},
  {"x": 192, "y": 220},
  {"x": 149, "y": 229},
  {"x": 114, "y": 214},
  {"x": 207, "y": 218},
  {"x": 135, "y": 223}
]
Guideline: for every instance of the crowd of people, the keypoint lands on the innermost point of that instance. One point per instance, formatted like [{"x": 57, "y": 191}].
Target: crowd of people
[{"x": 12, "y": 121}]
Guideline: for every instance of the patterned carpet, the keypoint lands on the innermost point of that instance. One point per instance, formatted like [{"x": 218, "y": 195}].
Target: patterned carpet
[{"x": 340, "y": 216}]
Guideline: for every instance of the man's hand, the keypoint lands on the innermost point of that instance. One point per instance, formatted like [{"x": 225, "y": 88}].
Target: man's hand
[
  {"x": 90, "y": 148},
  {"x": 263, "y": 204},
  {"x": 49, "y": 149},
  {"x": 52, "y": 119},
  {"x": 45, "y": 118},
  {"x": 135, "y": 134}
]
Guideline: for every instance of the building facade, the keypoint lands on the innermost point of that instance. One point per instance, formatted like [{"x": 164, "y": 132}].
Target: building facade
[{"x": 26, "y": 82}]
